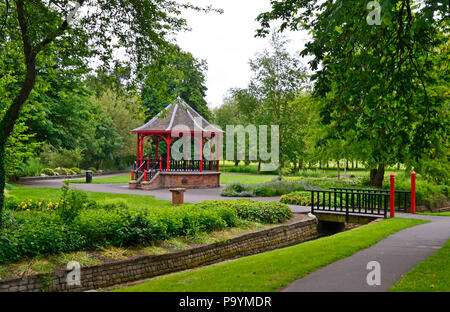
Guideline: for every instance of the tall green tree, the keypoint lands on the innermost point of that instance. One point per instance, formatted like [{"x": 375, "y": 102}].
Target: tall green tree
[
  {"x": 278, "y": 77},
  {"x": 29, "y": 30},
  {"x": 177, "y": 74},
  {"x": 377, "y": 79}
]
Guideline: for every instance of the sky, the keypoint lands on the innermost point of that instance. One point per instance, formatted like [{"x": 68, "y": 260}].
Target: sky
[{"x": 226, "y": 41}]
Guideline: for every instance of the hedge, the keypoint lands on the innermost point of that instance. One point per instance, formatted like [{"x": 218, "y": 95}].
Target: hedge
[{"x": 38, "y": 231}]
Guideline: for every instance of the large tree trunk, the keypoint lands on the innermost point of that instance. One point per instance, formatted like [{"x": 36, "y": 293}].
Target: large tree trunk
[
  {"x": 11, "y": 115},
  {"x": 377, "y": 176},
  {"x": 259, "y": 167},
  {"x": 2, "y": 181}
]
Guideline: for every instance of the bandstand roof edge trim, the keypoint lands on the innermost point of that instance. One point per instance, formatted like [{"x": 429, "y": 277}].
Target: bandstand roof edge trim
[{"x": 178, "y": 114}]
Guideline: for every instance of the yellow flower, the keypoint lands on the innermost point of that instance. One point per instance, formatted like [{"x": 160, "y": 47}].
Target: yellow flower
[
  {"x": 40, "y": 203},
  {"x": 28, "y": 210}
]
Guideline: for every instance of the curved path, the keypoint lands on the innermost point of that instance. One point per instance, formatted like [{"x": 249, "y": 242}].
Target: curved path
[
  {"x": 191, "y": 195},
  {"x": 397, "y": 255}
]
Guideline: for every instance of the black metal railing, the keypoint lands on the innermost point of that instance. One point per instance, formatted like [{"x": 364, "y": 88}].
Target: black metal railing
[
  {"x": 402, "y": 198},
  {"x": 350, "y": 203}
]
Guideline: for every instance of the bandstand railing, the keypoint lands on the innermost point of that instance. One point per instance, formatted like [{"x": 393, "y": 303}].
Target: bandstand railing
[{"x": 150, "y": 167}]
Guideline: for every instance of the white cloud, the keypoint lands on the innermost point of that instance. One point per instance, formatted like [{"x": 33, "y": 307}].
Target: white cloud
[{"x": 227, "y": 42}]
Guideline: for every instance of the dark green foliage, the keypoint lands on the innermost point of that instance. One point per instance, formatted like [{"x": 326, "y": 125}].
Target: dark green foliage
[
  {"x": 76, "y": 224},
  {"x": 178, "y": 74},
  {"x": 384, "y": 87},
  {"x": 267, "y": 189}
]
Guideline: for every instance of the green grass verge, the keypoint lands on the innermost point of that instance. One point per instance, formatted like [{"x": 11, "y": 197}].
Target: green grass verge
[
  {"x": 439, "y": 214},
  {"x": 433, "y": 274},
  {"x": 224, "y": 179},
  {"x": 133, "y": 201},
  {"x": 273, "y": 270}
]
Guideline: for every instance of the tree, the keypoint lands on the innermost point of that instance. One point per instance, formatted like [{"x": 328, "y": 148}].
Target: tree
[
  {"x": 178, "y": 74},
  {"x": 139, "y": 27},
  {"x": 277, "y": 79},
  {"x": 376, "y": 78},
  {"x": 126, "y": 114}
]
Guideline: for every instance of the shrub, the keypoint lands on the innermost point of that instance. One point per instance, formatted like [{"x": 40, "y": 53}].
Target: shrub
[
  {"x": 267, "y": 189},
  {"x": 32, "y": 167},
  {"x": 61, "y": 171},
  {"x": 94, "y": 170},
  {"x": 76, "y": 170},
  {"x": 71, "y": 203},
  {"x": 48, "y": 172},
  {"x": 75, "y": 224},
  {"x": 62, "y": 157},
  {"x": 297, "y": 198}
]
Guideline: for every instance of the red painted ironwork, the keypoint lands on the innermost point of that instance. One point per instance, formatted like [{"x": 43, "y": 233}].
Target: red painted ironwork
[
  {"x": 392, "y": 196},
  {"x": 413, "y": 192}
]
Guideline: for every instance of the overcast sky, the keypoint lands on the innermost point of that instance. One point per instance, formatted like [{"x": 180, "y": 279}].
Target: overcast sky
[{"x": 227, "y": 43}]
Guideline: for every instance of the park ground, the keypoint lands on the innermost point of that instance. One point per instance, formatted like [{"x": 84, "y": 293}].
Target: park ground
[{"x": 285, "y": 269}]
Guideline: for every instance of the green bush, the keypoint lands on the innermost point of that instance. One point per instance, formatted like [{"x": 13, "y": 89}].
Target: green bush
[
  {"x": 61, "y": 171},
  {"x": 75, "y": 224},
  {"x": 267, "y": 189},
  {"x": 71, "y": 203},
  {"x": 94, "y": 170},
  {"x": 427, "y": 193},
  {"x": 30, "y": 168},
  {"x": 297, "y": 198},
  {"x": 48, "y": 172},
  {"x": 76, "y": 170}
]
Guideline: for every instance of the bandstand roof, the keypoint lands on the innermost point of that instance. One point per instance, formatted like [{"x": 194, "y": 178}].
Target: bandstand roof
[{"x": 179, "y": 117}]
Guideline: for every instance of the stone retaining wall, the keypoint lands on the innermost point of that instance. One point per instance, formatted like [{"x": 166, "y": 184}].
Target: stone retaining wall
[
  {"x": 75, "y": 176},
  {"x": 110, "y": 274},
  {"x": 190, "y": 180}
]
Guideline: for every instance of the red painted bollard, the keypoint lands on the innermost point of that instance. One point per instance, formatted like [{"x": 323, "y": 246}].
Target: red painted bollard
[
  {"x": 132, "y": 175},
  {"x": 392, "y": 193},
  {"x": 160, "y": 163},
  {"x": 413, "y": 192}
]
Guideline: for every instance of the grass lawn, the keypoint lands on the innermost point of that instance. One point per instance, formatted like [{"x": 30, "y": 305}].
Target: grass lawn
[
  {"x": 224, "y": 179},
  {"x": 276, "y": 269},
  {"x": 433, "y": 274},
  {"x": 134, "y": 201},
  {"x": 439, "y": 214}
]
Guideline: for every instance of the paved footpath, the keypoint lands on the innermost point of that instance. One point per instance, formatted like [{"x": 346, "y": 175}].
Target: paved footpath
[{"x": 397, "y": 255}]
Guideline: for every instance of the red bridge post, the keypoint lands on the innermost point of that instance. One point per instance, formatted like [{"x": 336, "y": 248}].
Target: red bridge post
[
  {"x": 392, "y": 193},
  {"x": 413, "y": 192}
]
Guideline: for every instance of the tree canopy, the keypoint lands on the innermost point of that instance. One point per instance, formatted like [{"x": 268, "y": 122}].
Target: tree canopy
[{"x": 381, "y": 83}]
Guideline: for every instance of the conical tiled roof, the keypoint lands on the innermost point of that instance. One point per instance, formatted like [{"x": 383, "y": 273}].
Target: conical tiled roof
[{"x": 178, "y": 117}]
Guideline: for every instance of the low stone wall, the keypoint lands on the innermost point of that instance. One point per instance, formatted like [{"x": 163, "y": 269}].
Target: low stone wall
[
  {"x": 110, "y": 274},
  {"x": 75, "y": 176},
  {"x": 190, "y": 180}
]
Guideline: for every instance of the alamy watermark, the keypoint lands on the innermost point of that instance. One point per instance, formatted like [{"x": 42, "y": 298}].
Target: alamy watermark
[
  {"x": 374, "y": 276},
  {"x": 249, "y": 143},
  {"x": 374, "y": 16},
  {"x": 74, "y": 276}
]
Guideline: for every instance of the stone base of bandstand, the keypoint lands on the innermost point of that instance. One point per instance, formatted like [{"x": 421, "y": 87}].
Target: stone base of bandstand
[{"x": 189, "y": 180}]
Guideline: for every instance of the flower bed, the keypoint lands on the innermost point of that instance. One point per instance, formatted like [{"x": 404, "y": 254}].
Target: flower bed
[{"x": 74, "y": 223}]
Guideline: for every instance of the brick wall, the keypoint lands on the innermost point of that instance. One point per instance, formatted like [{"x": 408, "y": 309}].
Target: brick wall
[
  {"x": 110, "y": 274},
  {"x": 191, "y": 180}
]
